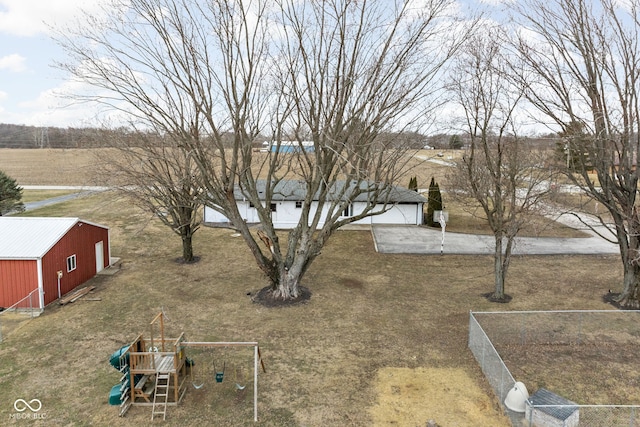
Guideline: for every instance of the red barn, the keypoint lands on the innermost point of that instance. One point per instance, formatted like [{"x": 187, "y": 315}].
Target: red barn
[{"x": 48, "y": 257}]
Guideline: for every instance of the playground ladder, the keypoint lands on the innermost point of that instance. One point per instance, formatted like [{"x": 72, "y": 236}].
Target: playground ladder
[
  {"x": 161, "y": 395},
  {"x": 125, "y": 390}
]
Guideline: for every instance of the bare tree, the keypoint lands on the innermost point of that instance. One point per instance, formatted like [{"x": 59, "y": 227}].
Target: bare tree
[
  {"x": 582, "y": 71},
  {"x": 157, "y": 175},
  {"x": 498, "y": 171},
  {"x": 336, "y": 73}
]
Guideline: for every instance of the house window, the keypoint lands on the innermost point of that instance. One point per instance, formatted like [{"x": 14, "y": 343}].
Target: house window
[
  {"x": 272, "y": 206},
  {"x": 298, "y": 204},
  {"x": 348, "y": 211},
  {"x": 71, "y": 263}
]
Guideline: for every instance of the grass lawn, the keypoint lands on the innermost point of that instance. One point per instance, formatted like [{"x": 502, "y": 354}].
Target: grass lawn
[{"x": 382, "y": 342}]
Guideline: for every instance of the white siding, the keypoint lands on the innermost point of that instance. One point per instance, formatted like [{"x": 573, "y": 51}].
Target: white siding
[{"x": 287, "y": 215}]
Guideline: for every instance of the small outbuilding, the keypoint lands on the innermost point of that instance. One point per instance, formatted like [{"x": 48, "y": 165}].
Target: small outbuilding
[{"x": 47, "y": 258}]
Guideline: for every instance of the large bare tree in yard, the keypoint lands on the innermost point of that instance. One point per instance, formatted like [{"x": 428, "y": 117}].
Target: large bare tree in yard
[
  {"x": 338, "y": 74},
  {"x": 582, "y": 71},
  {"x": 498, "y": 172}
]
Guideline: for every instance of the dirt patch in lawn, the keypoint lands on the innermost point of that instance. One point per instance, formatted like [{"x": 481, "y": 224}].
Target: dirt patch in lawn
[{"x": 450, "y": 397}]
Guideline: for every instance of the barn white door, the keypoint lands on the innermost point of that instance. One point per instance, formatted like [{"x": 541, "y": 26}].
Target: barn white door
[{"x": 99, "y": 257}]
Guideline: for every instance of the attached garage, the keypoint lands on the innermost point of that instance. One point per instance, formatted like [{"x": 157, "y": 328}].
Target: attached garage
[{"x": 48, "y": 257}]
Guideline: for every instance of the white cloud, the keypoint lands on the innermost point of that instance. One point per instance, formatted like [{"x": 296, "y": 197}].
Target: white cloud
[
  {"x": 13, "y": 62},
  {"x": 31, "y": 17},
  {"x": 55, "y": 107}
]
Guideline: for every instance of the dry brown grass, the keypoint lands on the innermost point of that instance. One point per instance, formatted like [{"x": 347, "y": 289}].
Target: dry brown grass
[
  {"x": 48, "y": 166},
  {"x": 381, "y": 342},
  {"x": 580, "y": 203}
]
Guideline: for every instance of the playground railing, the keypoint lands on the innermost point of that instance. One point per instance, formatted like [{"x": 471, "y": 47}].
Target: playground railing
[
  {"x": 160, "y": 344},
  {"x": 20, "y": 312},
  {"x": 149, "y": 361}
]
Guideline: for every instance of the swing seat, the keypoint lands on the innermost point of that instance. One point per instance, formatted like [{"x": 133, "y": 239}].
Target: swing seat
[{"x": 220, "y": 375}]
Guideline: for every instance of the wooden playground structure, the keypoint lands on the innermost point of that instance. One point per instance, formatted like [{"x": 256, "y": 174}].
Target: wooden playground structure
[{"x": 155, "y": 370}]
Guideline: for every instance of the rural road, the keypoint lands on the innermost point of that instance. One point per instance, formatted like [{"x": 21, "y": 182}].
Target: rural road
[{"x": 80, "y": 192}]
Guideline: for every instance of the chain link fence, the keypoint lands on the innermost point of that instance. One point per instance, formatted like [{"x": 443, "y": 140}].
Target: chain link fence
[
  {"x": 24, "y": 310},
  {"x": 488, "y": 330}
]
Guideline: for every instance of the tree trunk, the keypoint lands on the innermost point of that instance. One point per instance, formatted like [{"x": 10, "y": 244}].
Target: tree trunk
[
  {"x": 629, "y": 296},
  {"x": 628, "y": 243},
  {"x": 287, "y": 288},
  {"x": 498, "y": 270},
  {"x": 187, "y": 244}
]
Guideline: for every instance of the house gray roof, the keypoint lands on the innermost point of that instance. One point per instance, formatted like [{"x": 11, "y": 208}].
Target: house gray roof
[
  {"x": 294, "y": 190},
  {"x": 31, "y": 237}
]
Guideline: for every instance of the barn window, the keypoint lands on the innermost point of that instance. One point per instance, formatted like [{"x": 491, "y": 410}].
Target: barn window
[
  {"x": 298, "y": 204},
  {"x": 348, "y": 211},
  {"x": 71, "y": 263}
]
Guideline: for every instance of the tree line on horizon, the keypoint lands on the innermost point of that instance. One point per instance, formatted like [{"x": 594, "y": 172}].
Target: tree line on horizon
[{"x": 25, "y": 136}]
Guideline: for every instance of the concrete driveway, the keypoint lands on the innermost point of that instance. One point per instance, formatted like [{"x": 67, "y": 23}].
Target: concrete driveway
[{"x": 390, "y": 239}]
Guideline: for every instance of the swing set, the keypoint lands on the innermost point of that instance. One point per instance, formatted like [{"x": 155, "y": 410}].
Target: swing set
[
  {"x": 165, "y": 362},
  {"x": 219, "y": 375},
  {"x": 239, "y": 379}
]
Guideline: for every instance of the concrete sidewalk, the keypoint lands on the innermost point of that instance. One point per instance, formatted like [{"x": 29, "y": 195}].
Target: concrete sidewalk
[{"x": 425, "y": 240}]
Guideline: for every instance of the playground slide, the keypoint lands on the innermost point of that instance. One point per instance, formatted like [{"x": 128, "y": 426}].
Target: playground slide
[{"x": 122, "y": 365}]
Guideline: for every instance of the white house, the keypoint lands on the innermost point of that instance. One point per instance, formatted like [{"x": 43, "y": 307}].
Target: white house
[{"x": 403, "y": 207}]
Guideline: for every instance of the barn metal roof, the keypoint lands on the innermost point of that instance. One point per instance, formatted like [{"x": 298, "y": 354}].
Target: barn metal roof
[{"x": 31, "y": 237}]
